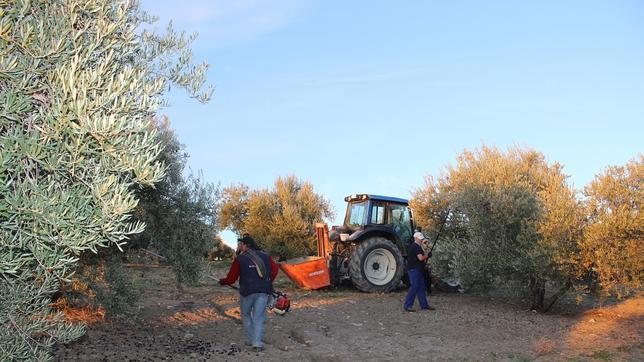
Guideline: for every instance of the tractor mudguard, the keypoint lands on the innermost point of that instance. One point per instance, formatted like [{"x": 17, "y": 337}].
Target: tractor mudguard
[{"x": 377, "y": 230}]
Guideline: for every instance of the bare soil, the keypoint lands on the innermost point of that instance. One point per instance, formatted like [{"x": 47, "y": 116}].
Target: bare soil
[{"x": 342, "y": 324}]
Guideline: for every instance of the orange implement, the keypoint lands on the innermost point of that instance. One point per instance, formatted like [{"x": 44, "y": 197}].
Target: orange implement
[
  {"x": 310, "y": 272},
  {"x": 322, "y": 232}
]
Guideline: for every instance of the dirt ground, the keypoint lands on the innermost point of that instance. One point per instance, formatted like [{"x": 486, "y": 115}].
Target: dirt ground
[{"x": 202, "y": 323}]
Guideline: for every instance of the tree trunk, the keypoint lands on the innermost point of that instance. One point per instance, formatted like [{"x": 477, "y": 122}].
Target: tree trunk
[
  {"x": 558, "y": 295},
  {"x": 538, "y": 291}
]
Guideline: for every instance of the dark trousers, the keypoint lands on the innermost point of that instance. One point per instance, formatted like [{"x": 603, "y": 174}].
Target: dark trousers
[{"x": 416, "y": 289}]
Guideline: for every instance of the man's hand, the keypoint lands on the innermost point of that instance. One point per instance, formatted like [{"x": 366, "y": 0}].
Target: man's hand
[{"x": 429, "y": 255}]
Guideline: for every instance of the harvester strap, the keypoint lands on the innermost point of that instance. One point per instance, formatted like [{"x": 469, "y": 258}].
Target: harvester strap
[{"x": 257, "y": 260}]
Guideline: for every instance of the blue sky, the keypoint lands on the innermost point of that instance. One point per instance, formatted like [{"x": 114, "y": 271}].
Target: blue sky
[{"x": 371, "y": 96}]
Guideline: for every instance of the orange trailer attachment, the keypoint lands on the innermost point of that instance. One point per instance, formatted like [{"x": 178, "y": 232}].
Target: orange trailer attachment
[
  {"x": 310, "y": 272},
  {"x": 322, "y": 233}
]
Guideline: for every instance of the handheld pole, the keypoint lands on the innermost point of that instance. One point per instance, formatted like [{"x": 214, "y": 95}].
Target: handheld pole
[
  {"x": 217, "y": 280},
  {"x": 439, "y": 231}
]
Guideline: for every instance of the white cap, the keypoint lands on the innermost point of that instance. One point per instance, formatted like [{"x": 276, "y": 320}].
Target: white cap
[{"x": 419, "y": 236}]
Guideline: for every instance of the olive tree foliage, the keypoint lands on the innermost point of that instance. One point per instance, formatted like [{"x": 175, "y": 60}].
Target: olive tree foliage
[
  {"x": 614, "y": 237},
  {"x": 186, "y": 227},
  {"x": 281, "y": 219},
  {"x": 78, "y": 87},
  {"x": 512, "y": 219},
  {"x": 179, "y": 212}
]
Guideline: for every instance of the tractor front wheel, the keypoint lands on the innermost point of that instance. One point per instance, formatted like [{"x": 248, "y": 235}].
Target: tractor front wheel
[{"x": 376, "y": 265}]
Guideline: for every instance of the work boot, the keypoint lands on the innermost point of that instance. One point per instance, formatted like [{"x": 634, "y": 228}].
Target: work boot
[
  {"x": 429, "y": 308},
  {"x": 258, "y": 349},
  {"x": 409, "y": 310}
]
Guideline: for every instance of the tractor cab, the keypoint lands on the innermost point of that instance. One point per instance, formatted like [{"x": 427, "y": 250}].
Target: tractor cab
[{"x": 375, "y": 213}]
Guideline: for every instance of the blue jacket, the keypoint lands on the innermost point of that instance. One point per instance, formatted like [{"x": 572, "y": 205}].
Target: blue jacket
[{"x": 249, "y": 280}]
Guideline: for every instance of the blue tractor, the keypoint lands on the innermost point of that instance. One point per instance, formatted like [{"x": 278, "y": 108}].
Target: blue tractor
[{"x": 369, "y": 248}]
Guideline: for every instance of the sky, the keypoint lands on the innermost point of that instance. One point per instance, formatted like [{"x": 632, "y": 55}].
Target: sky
[{"x": 373, "y": 96}]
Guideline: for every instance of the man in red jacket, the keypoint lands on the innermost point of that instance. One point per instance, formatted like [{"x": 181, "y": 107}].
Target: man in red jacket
[{"x": 256, "y": 271}]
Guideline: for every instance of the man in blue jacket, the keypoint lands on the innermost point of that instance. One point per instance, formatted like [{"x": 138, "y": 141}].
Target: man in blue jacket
[{"x": 256, "y": 272}]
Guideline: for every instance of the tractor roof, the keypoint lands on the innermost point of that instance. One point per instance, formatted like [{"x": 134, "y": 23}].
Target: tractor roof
[{"x": 356, "y": 197}]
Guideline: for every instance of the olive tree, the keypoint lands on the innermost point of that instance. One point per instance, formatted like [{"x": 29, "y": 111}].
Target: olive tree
[
  {"x": 613, "y": 238},
  {"x": 512, "y": 218},
  {"x": 79, "y": 83},
  {"x": 180, "y": 211},
  {"x": 179, "y": 214},
  {"x": 281, "y": 219}
]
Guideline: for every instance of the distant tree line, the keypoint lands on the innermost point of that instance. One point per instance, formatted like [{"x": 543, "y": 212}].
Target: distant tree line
[{"x": 281, "y": 219}]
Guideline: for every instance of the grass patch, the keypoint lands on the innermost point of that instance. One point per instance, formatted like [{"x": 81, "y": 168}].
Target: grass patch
[
  {"x": 147, "y": 281},
  {"x": 220, "y": 264},
  {"x": 518, "y": 357},
  {"x": 601, "y": 355}
]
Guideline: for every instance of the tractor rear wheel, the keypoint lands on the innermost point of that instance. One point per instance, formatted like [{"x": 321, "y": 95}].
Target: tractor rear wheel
[{"x": 376, "y": 265}]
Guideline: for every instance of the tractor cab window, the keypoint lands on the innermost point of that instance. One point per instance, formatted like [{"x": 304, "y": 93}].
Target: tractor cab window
[
  {"x": 400, "y": 217},
  {"x": 356, "y": 214},
  {"x": 378, "y": 213}
]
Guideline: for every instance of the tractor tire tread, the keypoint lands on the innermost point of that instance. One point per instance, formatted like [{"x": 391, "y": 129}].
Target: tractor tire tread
[{"x": 355, "y": 266}]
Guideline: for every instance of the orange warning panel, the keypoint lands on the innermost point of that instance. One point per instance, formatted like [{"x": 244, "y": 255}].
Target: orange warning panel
[{"x": 310, "y": 272}]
